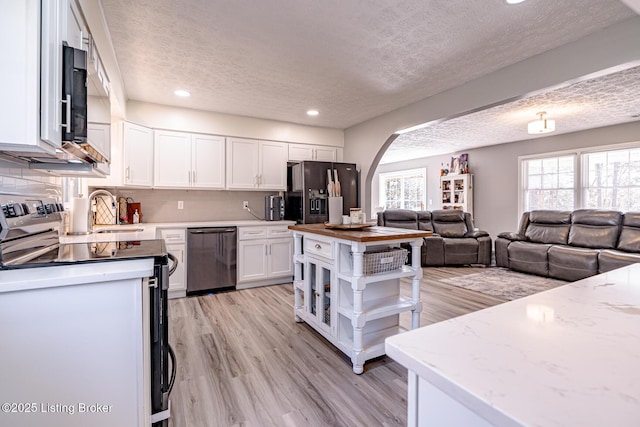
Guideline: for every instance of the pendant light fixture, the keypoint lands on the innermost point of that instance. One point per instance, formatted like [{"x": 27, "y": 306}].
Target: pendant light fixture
[{"x": 542, "y": 125}]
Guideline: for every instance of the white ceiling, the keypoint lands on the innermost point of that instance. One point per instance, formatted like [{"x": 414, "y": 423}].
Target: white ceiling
[{"x": 351, "y": 60}]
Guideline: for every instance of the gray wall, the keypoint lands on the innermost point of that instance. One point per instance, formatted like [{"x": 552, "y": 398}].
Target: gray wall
[{"x": 495, "y": 170}]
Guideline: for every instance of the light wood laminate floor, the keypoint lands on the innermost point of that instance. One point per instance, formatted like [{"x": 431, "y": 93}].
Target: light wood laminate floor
[{"x": 243, "y": 360}]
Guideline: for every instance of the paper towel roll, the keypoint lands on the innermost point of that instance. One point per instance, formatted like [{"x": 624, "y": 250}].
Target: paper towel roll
[{"x": 80, "y": 215}]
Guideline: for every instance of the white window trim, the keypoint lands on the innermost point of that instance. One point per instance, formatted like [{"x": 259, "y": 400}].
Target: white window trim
[
  {"x": 382, "y": 199},
  {"x": 579, "y": 177}
]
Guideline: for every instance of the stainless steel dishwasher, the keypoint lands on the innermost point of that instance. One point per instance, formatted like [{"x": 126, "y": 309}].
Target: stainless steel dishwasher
[{"x": 211, "y": 259}]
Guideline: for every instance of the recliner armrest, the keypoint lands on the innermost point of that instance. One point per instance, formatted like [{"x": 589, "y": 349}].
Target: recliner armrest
[
  {"x": 476, "y": 233},
  {"x": 509, "y": 235}
]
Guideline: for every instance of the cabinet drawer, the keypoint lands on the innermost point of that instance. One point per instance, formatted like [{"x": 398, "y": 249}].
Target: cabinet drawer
[
  {"x": 279, "y": 231},
  {"x": 173, "y": 235},
  {"x": 312, "y": 246},
  {"x": 249, "y": 233}
]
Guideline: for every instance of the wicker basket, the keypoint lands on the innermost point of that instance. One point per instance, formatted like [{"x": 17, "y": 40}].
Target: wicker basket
[{"x": 379, "y": 261}]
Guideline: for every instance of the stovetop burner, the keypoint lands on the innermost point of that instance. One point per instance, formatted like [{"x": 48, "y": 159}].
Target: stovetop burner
[{"x": 29, "y": 237}]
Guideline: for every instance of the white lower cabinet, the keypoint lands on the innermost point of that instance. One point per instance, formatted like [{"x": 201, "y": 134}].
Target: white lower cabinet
[
  {"x": 175, "y": 242},
  {"x": 265, "y": 255}
]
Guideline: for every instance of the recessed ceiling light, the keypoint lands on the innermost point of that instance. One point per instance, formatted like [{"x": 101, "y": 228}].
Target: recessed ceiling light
[
  {"x": 514, "y": 1},
  {"x": 312, "y": 113},
  {"x": 182, "y": 93}
]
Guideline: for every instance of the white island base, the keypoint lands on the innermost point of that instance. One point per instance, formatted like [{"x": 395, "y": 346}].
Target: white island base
[
  {"x": 565, "y": 357},
  {"x": 356, "y": 313}
]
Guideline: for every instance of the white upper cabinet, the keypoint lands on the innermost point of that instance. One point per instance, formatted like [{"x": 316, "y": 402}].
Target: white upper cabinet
[
  {"x": 76, "y": 32},
  {"x": 208, "y": 161},
  {"x": 25, "y": 26},
  {"x": 137, "y": 144},
  {"x": 299, "y": 152},
  {"x": 172, "y": 152},
  {"x": 273, "y": 166},
  {"x": 256, "y": 165},
  {"x": 184, "y": 160},
  {"x": 99, "y": 134}
]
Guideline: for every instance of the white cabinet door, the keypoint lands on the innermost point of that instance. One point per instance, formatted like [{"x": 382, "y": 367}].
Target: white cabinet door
[
  {"x": 273, "y": 162},
  {"x": 252, "y": 260},
  {"x": 177, "y": 281},
  {"x": 21, "y": 122},
  {"x": 76, "y": 32},
  {"x": 208, "y": 162},
  {"x": 172, "y": 166},
  {"x": 51, "y": 72},
  {"x": 280, "y": 257},
  {"x": 326, "y": 154},
  {"x": 100, "y": 136},
  {"x": 243, "y": 157},
  {"x": 300, "y": 152},
  {"x": 138, "y": 155}
]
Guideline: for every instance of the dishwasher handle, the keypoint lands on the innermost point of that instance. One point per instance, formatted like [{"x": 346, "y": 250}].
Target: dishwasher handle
[{"x": 213, "y": 231}]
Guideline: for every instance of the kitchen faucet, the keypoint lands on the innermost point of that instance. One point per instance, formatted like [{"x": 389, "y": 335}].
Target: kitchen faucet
[{"x": 113, "y": 201}]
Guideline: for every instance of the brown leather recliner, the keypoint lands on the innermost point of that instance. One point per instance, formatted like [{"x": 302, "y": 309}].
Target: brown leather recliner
[{"x": 455, "y": 240}]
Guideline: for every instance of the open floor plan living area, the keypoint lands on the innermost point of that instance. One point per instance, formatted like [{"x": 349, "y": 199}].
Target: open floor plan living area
[{"x": 298, "y": 213}]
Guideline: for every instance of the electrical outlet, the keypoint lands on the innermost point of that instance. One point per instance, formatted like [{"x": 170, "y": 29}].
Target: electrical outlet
[
  {"x": 245, "y": 205},
  {"x": 180, "y": 204}
]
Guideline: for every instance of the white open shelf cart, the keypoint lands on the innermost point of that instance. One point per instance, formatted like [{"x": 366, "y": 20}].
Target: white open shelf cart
[{"x": 354, "y": 311}]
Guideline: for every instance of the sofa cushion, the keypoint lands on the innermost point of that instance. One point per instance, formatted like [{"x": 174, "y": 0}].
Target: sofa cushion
[
  {"x": 629, "y": 240},
  {"x": 528, "y": 257},
  {"x": 433, "y": 251},
  {"x": 570, "y": 263},
  {"x": 548, "y": 227},
  {"x": 424, "y": 221},
  {"x": 611, "y": 259},
  {"x": 593, "y": 228},
  {"x": 400, "y": 218},
  {"x": 459, "y": 251},
  {"x": 449, "y": 223}
]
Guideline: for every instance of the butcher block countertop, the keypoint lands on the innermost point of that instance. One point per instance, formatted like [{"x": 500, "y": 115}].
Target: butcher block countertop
[{"x": 372, "y": 234}]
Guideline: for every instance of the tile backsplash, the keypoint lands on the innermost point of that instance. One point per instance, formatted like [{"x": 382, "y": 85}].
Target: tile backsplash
[
  {"x": 199, "y": 205},
  {"x": 17, "y": 179}
]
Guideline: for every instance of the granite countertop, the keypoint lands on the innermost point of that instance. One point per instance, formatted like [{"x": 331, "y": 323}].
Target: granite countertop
[
  {"x": 371, "y": 234},
  {"x": 565, "y": 357}
]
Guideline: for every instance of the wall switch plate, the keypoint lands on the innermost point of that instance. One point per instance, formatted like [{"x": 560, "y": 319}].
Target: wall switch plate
[
  {"x": 245, "y": 205},
  {"x": 180, "y": 204}
]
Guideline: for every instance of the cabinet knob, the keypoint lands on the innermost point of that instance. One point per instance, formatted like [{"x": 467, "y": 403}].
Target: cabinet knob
[{"x": 318, "y": 246}]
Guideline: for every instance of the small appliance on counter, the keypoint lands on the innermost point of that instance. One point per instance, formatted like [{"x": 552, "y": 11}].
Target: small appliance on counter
[{"x": 273, "y": 208}]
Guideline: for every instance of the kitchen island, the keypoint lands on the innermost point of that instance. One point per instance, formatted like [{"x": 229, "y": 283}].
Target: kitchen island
[
  {"x": 565, "y": 357},
  {"x": 350, "y": 295}
]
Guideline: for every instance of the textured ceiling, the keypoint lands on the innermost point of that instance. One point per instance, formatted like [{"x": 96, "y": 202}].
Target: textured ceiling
[
  {"x": 350, "y": 59},
  {"x": 608, "y": 100}
]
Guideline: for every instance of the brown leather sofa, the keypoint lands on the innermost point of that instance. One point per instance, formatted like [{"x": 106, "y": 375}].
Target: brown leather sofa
[
  {"x": 455, "y": 240},
  {"x": 570, "y": 245}
]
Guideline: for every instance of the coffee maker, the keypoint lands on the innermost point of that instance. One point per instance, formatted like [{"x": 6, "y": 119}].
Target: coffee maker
[{"x": 273, "y": 208}]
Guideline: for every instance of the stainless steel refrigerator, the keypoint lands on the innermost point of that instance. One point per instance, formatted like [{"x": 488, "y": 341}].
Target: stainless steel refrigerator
[{"x": 306, "y": 199}]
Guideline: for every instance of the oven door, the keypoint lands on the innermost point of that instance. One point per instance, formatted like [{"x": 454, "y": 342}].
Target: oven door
[{"x": 161, "y": 352}]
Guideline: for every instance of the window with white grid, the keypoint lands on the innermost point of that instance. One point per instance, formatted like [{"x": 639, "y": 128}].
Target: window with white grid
[
  {"x": 403, "y": 189},
  {"x": 611, "y": 180},
  {"x": 549, "y": 183}
]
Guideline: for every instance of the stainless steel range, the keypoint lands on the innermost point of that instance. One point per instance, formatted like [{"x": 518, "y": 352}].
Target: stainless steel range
[{"x": 29, "y": 238}]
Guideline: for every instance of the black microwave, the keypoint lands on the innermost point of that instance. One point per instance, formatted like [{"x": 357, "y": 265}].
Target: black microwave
[{"x": 74, "y": 95}]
